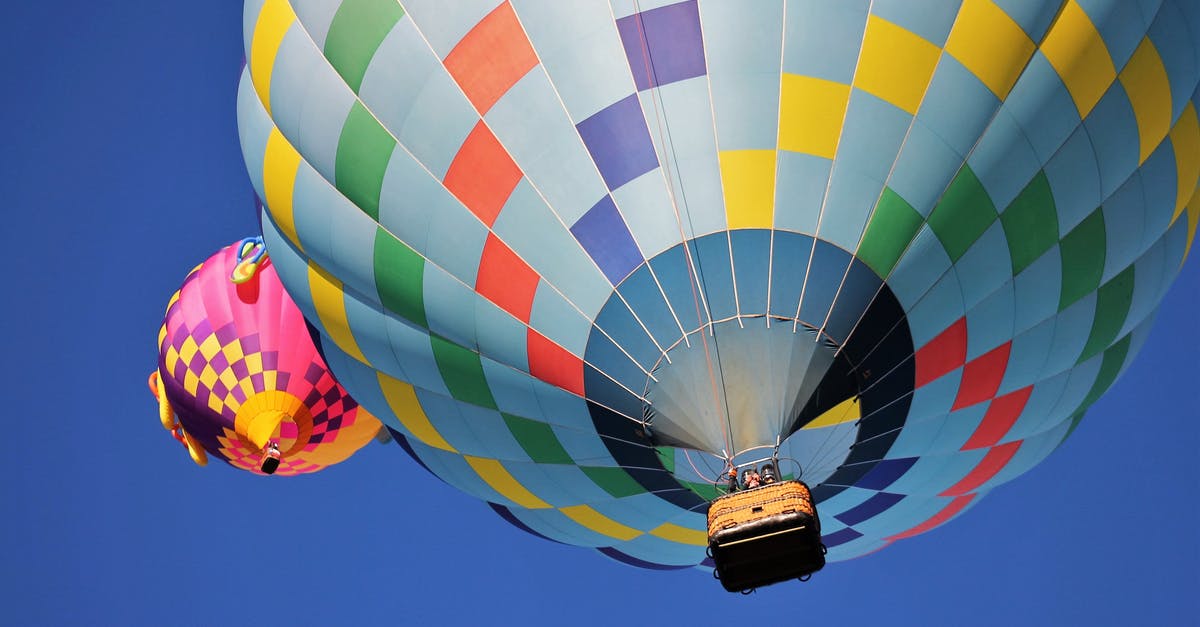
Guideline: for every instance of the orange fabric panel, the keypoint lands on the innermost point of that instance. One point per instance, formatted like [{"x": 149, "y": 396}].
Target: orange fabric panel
[
  {"x": 554, "y": 364},
  {"x": 491, "y": 58},
  {"x": 505, "y": 279},
  {"x": 482, "y": 175}
]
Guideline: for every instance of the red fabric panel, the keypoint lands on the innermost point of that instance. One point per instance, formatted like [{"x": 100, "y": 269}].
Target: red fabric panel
[
  {"x": 1000, "y": 417},
  {"x": 491, "y": 58},
  {"x": 505, "y": 279},
  {"x": 554, "y": 364},
  {"x": 982, "y": 376},
  {"x": 991, "y": 464},
  {"x": 947, "y": 513},
  {"x": 943, "y": 353},
  {"x": 482, "y": 175}
]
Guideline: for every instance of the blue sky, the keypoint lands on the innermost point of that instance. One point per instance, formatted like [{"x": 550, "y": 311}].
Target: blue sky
[{"x": 121, "y": 170}]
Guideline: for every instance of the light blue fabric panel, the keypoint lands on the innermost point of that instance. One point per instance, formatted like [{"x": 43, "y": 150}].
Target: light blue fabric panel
[
  {"x": 528, "y": 226},
  {"x": 1075, "y": 181},
  {"x": 543, "y": 481},
  {"x": 1149, "y": 273},
  {"x": 917, "y": 439},
  {"x": 990, "y": 322},
  {"x": 1004, "y": 159},
  {"x": 933, "y": 474},
  {"x": 555, "y": 525},
  {"x": 250, "y": 12},
  {"x": 315, "y": 17},
  {"x": 1113, "y": 131},
  {"x": 1177, "y": 49},
  {"x": 645, "y": 204},
  {"x": 1026, "y": 357},
  {"x": 743, "y": 49},
  {"x": 513, "y": 390},
  {"x": 1030, "y": 454},
  {"x": 578, "y": 45},
  {"x": 1070, "y": 335},
  {"x": 627, "y": 332},
  {"x": 789, "y": 268},
  {"x": 583, "y": 445},
  {"x": 1042, "y": 107},
  {"x": 455, "y": 237},
  {"x": 501, "y": 337},
  {"x": 680, "y": 114},
  {"x": 409, "y": 91},
  {"x": 919, "y": 268},
  {"x": 872, "y": 136},
  {"x": 938, "y": 309},
  {"x": 558, "y": 320},
  {"x": 1039, "y": 413},
  {"x": 652, "y": 309},
  {"x": 823, "y": 39},
  {"x": 985, "y": 267},
  {"x": 751, "y": 266},
  {"x": 930, "y": 19},
  {"x": 924, "y": 169},
  {"x": 1033, "y": 16},
  {"x": 309, "y": 101},
  {"x": 533, "y": 127},
  {"x": 454, "y": 470},
  {"x": 1121, "y": 25},
  {"x": 930, "y": 401},
  {"x": 444, "y": 24},
  {"x": 254, "y": 127},
  {"x": 450, "y": 308},
  {"x": 957, "y": 106},
  {"x": 1160, "y": 182},
  {"x": 800, "y": 183},
  {"x": 1037, "y": 289},
  {"x": 1124, "y": 214},
  {"x": 716, "y": 275},
  {"x": 848, "y": 205},
  {"x": 1079, "y": 383}
]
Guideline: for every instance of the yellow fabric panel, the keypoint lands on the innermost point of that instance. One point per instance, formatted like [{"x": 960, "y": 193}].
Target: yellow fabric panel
[
  {"x": 1185, "y": 139},
  {"x": 682, "y": 535},
  {"x": 210, "y": 347},
  {"x": 748, "y": 177},
  {"x": 1193, "y": 216},
  {"x": 254, "y": 364},
  {"x": 502, "y": 481},
  {"x": 330, "y": 302},
  {"x": 191, "y": 383},
  {"x": 1077, "y": 52},
  {"x": 811, "y": 114},
  {"x": 895, "y": 64},
  {"x": 280, "y": 164},
  {"x": 402, "y": 398},
  {"x": 845, "y": 411},
  {"x": 344, "y": 442},
  {"x": 600, "y": 523},
  {"x": 990, "y": 44},
  {"x": 208, "y": 376},
  {"x": 274, "y": 20},
  {"x": 188, "y": 349},
  {"x": 1149, "y": 90}
]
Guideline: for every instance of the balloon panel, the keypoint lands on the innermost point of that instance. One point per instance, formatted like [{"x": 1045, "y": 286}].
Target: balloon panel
[{"x": 573, "y": 254}]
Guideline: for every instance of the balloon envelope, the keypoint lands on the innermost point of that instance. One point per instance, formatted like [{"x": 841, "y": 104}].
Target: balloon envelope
[{"x": 579, "y": 254}]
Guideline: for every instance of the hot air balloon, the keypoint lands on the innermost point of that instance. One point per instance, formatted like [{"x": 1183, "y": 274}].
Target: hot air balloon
[
  {"x": 583, "y": 258},
  {"x": 239, "y": 378}
]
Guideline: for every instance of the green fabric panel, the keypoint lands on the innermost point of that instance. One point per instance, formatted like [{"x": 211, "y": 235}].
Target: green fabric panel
[
  {"x": 1110, "y": 367},
  {"x": 963, "y": 214},
  {"x": 1082, "y": 260},
  {"x": 538, "y": 440},
  {"x": 463, "y": 373},
  {"x": 615, "y": 481},
  {"x": 1030, "y": 223},
  {"x": 1112, "y": 305},
  {"x": 358, "y": 28},
  {"x": 1075, "y": 419},
  {"x": 705, "y": 491},
  {"x": 363, "y": 151},
  {"x": 399, "y": 277},
  {"x": 893, "y": 225},
  {"x": 666, "y": 455}
]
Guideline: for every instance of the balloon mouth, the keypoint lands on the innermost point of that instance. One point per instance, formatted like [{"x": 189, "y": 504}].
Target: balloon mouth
[{"x": 274, "y": 417}]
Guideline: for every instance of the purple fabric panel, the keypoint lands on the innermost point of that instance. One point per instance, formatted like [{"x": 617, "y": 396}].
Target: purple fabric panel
[
  {"x": 667, "y": 41},
  {"x": 840, "y": 537},
  {"x": 885, "y": 473},
  {"x": 619, "y": 142},
  {"x": 869, "y": 508},
  {"x": 604, "y": 236}
]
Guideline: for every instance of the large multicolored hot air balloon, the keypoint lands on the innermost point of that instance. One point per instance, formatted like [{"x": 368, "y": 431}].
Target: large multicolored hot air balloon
[
  {"x": 239, "y": 377},
  {"x": 582, "y": 255}
]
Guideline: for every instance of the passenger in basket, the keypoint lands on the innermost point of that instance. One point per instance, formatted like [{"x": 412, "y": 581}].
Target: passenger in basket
[
  {"x": 768, "y": 474},
  {"x": 750, "y": 479}
]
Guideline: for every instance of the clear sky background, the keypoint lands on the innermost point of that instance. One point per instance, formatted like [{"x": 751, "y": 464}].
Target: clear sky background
[{"x": 120, "y": 170}]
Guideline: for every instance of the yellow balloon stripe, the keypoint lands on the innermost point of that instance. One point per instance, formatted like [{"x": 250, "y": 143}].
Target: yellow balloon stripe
[
  {"x": 682, "y": 535},
  {"x": 502, "y": 481},
  {"x": 402, "y": 398},
  {"x": 1149, "y": 90},
  {"x": 845, "y": 411},
  {"x": 599, "y": 523},
  {"x": 811, "y": 114},
  {"x": 1185, "y": 139},
  {"x": 748, "y": 177},
  {"x": 280, "y": 164},
  {"x": 329, "y": 299},
  {"x": 1077, "y": 51},
  {"x": 895, "y": 65},
  {"x": 990, "y": 44},
  {"x": 274, "y": 20}
]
